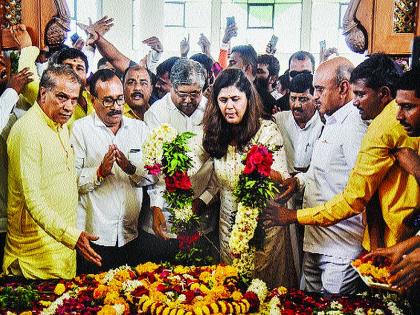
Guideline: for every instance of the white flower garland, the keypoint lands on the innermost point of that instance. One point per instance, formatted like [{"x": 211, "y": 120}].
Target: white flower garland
[
  {"x": 258, "y": 287},
  {"x": 153, "y": 146}
]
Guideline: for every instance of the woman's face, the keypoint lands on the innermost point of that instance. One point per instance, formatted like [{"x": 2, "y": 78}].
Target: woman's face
[{"x": 232, "y": 103}]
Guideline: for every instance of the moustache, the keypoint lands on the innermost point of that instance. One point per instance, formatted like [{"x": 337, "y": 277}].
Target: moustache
[
  {"x": 114, "y": 112},
  {"x": 299, "y": 110},
  {"x": 405, "y": 124},
  {"x": 134, "y": 94}
]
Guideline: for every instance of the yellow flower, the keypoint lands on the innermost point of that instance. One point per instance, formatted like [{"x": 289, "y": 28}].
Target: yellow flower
[
  {"x": 45, "y": 303},
  {"x": 205, "y": 276},
  {"x": 60, "y": 288},
  {"x": 111, "y": 298},
  {"x": 236, "y": 296},
  {"x": 107, "y": 310},
  {"x": 147, "y": 267}
]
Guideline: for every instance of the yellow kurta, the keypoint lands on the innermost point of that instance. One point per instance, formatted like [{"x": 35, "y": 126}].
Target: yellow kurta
[
  {"x": 42, "y": 200},
  {"x": 128, "y": 112},
  {"x": 376, "y": 170}
]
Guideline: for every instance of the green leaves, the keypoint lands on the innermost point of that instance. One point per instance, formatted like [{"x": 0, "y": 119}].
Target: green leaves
[
  {"x": 254, "y": 191},
  {"x": 19, "y": 299},
  {"x": 175, "y": 156}
]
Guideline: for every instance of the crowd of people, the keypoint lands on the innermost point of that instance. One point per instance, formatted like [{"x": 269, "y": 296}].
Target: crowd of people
[{"x": 76, "y": 197}]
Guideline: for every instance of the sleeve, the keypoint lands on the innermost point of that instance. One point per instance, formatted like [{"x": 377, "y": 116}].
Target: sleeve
[
  {"x": 353, "y": 141},
  {"x": 156, "y": 194},
  {"x": 7, "y": 101},
  {"x": 151, "y": 118},
  {"x": 211, "y": 190},
  {"x": 198, "y": 155},
  {"x": 153, "y": 58},
  {"x": 372, "y": 164},
  {"x": 87, "y": 179},
  {"x": 89, "y": 51},
  {"x": 27, "y": 59},
  {"x": 28, "y": 152},
  {"x": 224, "y": 56}
]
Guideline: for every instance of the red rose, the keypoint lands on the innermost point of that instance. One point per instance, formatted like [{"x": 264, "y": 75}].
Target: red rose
[
  {"x": 258, "y": 159},
  {"x": 170, "y": 183},
  {"x": 189, "y": 296},
  {"x": 182, "y": 181},
  {"x": 154, "y": 169}
]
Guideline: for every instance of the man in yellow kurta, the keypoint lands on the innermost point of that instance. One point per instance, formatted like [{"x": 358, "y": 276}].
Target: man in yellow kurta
[
  {"x": 42, "y": 195},
  {"x": 376, "y": 170}
]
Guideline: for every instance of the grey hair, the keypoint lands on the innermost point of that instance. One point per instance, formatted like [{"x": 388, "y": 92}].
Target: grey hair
[
  {"x": 343, "y": 72},
  {"x": 49, "y": 75},
  {"x": 187, "y": 72}
]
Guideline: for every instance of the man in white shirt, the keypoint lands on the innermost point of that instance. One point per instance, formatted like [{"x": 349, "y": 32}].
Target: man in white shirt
[
  {"x": 328, "y": 251},
  {"x": 300, "y": 127},
  {"x": 182, "y": 108},
  {"x": 10, "y": 89},
  {"x": 108, "y": 149}
]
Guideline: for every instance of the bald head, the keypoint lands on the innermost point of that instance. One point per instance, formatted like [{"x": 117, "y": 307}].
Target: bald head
[{"x": 332, "y": 87}]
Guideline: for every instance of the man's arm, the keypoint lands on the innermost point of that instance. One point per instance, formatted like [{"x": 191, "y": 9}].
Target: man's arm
[{"x": 409, "y": 160}]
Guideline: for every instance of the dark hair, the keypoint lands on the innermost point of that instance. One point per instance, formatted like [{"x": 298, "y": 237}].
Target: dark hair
[
  {"x": 377, "y": 71},
  {"x": 301, "y": 83},
  {"x": 272, "y": 62},
  {"x": 217, "y": 132},
  {"x": 152, "y": 76},
  {"x": 284, "y": 80},
  {"x": 302, "y": 55},
  {"x": 248, "y": 55},
  {"x": 410, "y": 81},
  {"x": 48, "y": 78},
  {"x": 103, "y": 75},
  {"x": 102, "y": 62},
  {"x": 71, "y": 53},
  {"x": 166, "y": 66},
  {"x": 204, "y": 60}
]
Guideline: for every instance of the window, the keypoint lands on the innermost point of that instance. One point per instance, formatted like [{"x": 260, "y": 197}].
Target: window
[
  {"x": 81, "y": 11},
  {"x": 260, "y": 15},
  {"x": 174, "y": 14}
]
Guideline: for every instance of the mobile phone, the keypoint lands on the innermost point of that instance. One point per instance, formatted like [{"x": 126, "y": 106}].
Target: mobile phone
[
  {"x": 273, "y": 41},
  {"x": 415, "y": 55},
  {"x": 230, "y": 20},
  {"x": 322, "y": 45}
]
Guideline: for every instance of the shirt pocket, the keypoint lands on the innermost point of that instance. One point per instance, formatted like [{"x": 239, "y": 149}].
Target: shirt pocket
[
  {"x": 134, "y": 156},
  {"x": 322, "y": 155}
]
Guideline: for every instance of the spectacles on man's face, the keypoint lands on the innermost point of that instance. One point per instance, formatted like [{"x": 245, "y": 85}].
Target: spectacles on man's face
[
  {"x": 191, "y": 95},
  {"x": 109, "y": 102}
]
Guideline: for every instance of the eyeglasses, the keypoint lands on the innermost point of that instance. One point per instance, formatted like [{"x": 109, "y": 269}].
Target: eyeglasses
[
  {"x": 192, "y": 95},
  {"x": 108, "y": 102}
]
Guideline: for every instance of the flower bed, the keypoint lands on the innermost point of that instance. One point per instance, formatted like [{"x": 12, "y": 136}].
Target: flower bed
[{"x": 158, "y": 289}]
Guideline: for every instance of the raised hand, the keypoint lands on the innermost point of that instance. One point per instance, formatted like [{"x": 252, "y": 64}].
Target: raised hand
[
  {"x": 19, "y": 80},
  {"x": 84, "y": 248},
  {"x": 184, "y": 46},
  {"x": 230, "y": 32},
  {"x": 154, "y": 43},
  {"x": 204, "y": 44},
  {"x": 101, "y": 26},
  {"x": 21, "y": 35}
]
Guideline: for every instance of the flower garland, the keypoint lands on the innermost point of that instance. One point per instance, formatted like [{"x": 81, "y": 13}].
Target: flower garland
[
  {"x": 165, "y": 152},
  {"x": 252, "y": 192}
]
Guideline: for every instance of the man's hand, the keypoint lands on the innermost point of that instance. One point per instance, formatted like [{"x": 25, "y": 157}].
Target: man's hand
[
  {"x": 21, "y": 35},
  {"x": 154, "y": 43},
  {"x": 198, "y": 206},
  {"x": 275, "y": 215},
  {"x": 327, "y": 53},
  {"x": 270, "y": 50},
  {"x": 184, "y": 46},
  {"x": 93, "y": 37},
  {"x": 159, "y": 223},
  {"x": 409, "y": 160},
  {"x": 290, "y": 186},
  {"x": 230, "y": 31},
  {"x": 407, "y": 272},
  {"x": 19, "y": 80},
  {"x": 204, "y": 44},
  {"x": 124, "y": 163},
  {"x": 101, "y": 26},
  {"x": 83, "y": 246},
  {"x": 108, "y": 161}
]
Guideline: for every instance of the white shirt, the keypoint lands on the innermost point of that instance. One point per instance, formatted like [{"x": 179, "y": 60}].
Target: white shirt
[
  {"x": 333, "y": 158},
  {"x": 298, "y": 142},
  {"x": 203, "y": 182},
  {"x": 109, "y": 209},
  {"x": 8, "y": 100}
]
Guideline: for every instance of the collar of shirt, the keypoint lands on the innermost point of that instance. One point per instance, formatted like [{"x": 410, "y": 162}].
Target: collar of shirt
[
  {"x": 128, "y": 112},
  {"x": 99, "y": 123},
  {"x": 309, "y": 124},
  {"x": 51, "y": 123},
  {"x": 200, "y": 108},
  {"x": 339, "y": 115}
]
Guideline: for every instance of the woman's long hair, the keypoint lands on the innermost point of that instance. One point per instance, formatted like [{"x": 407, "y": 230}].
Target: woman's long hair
[{"x": 217, "y": 132}]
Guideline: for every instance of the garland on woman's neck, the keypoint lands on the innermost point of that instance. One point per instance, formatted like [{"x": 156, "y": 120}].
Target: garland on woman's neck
[{"x": 252, "y": 193}]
